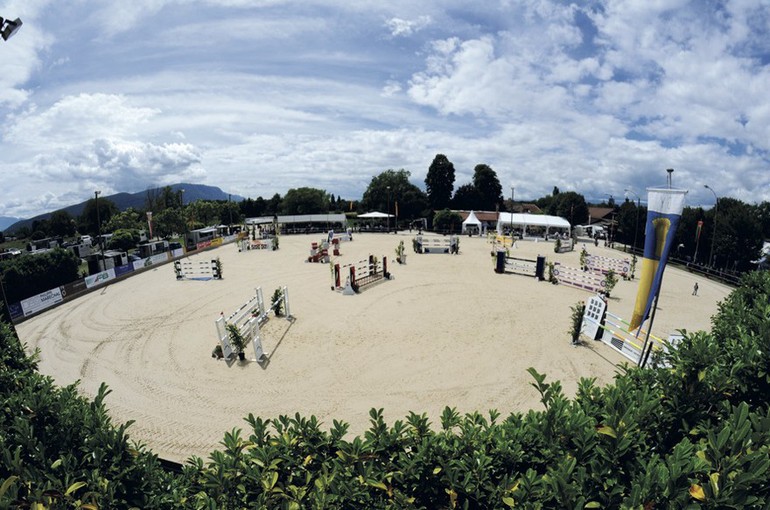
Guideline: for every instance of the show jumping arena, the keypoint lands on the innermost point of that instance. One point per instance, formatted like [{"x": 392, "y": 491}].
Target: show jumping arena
[{"x": 444, "y": 331}]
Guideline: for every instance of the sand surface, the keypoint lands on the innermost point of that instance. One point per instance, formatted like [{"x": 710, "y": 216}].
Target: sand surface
[{"x": 445, "y": 331}]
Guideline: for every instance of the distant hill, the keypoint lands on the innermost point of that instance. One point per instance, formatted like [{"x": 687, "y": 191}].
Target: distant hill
[
  {"x": 6, "y": 221},
  {"x": 123, "y": 201}
]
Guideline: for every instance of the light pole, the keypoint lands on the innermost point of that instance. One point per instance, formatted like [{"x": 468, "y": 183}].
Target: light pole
[
  {"x": 99, "y": 227},
  {"x": 230, "y": 208},
  {"x": 716, "y": 211},
  {"x": 512, "y": 209},
  {"x": 388, "y": 209}
]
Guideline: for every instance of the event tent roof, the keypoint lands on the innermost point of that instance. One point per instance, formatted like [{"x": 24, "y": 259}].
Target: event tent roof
[
  {"x": 471, "y": 220},
  {"x": 535, "y": 220},
  {"x": 374, "y": 215}
]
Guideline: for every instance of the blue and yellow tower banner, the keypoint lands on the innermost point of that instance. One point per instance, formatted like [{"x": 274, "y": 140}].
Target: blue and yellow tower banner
[{"x": 664, "y": 208}]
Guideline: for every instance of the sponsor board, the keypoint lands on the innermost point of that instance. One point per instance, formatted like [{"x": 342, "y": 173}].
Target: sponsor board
[
  {"x": 100, "y": 278},
  {"x": 42, "y": 301},
  {"x": 121, "y": 270},
  {"x": 150, "y": 261}
]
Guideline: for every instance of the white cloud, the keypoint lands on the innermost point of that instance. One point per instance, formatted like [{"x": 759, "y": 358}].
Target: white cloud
[
  {"x": 261, "y": 96},
  {"x": 401, "y": 27}
]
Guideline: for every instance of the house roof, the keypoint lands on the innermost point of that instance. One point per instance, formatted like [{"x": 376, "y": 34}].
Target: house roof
[
  {"x": 600, "y": 213},
  {"x": 490, "y": 216}
]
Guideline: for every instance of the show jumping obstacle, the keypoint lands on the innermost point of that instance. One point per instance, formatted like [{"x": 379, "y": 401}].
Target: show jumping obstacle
[
  {"x": 516, "y": 265},
  {"x": 360, "y": 274},
  {"x": 198, "y": 270},
  {"x": 604, "y": 264},
  {"x": 319, "y": 252},
  {"x": 574, "y": 277},
  {"x": 248, "y": 318},
  {"x": 600, "y": 324},
  {"x": 449, "y": 244}
]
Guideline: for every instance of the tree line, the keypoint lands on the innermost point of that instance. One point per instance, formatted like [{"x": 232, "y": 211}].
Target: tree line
[{"x": 732, "y": 245}]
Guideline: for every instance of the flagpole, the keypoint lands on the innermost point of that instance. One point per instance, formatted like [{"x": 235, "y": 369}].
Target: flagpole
[{"x": 645, "y": 353}]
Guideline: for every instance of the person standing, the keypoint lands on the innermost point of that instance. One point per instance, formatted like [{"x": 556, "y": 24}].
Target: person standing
[{"x": 695, "y": 289}]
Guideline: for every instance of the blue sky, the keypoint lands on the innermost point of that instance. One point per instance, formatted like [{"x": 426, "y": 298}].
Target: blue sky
[{"x": 258, "y": 97}]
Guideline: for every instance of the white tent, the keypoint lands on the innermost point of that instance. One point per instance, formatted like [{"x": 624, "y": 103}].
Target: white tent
[
  {"x": 374, "y": 215},
  {"x": 471, "y": 221},
  {"x": 519, "y": 220}
]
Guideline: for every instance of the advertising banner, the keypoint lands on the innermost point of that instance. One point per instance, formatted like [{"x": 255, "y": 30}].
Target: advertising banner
[
  {"x": 42, "y": 301},
  {"x": 100, "y": 278}
]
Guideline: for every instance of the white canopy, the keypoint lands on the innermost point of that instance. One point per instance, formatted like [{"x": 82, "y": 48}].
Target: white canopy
[
  {"x": 374, "y": 215},
  {"x": 471, "y": 220},
  {"x": 531, "y": 220}
]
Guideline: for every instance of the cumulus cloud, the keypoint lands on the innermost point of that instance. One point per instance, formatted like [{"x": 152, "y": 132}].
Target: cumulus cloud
[
  {"x": 401, "y": 27},
  {"x": 261, "y": 96}
]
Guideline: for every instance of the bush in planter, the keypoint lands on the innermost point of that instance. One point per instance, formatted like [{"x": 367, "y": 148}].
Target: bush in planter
[
  {"x": 610, "y": 280},
  {"x": 237, "y": 340},
  {"x": 276, "y": 302},
  {"x": 577, "y": 321},
  {"x": 400, "y": 252}
]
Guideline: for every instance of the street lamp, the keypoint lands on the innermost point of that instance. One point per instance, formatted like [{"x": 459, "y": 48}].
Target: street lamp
[
  {"x": 670, "y": 172},
  {"x": 8, "y": 27},
  {"x": 99, "y": 227},
  {"x": 512, "y": 209},
  {"x": 636, "y": 223},
  {"x": 388, "y": 209},
  {"x": 716, "y": 211}
]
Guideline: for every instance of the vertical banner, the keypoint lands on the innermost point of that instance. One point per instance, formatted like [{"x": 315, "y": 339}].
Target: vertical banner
[
  {"x": 698, "y": 230},
  {"x": 664, "y": 208},
  {"x": 149, "y": 222}
]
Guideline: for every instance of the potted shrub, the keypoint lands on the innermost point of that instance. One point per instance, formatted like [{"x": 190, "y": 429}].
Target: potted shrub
[
  {"x": 237, "y": 340},
  {"x": 400, "y": 255},
  {"x": 276, "y": 302},
  {"x": 577, "y": 321},
  {"x": 610, "y": 280}
]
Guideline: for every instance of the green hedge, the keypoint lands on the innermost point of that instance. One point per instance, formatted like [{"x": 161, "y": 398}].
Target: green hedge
[{"x": 693, "y": 433}]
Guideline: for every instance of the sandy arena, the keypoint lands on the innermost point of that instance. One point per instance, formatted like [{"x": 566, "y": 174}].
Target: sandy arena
[{"x": 445, "y": 331}]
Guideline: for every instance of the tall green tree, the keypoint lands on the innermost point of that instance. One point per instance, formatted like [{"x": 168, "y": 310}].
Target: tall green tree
[
  {"x": 130, "y": 219},
  {"x": 87, "y": 221},
  {"x": 61, "y": 224},
  {"x": 124, "y": 239},
  {"x": 447, "y": 221},
  {"x": 738, "y": 238},
  {"x": 569, "y": 205},
  {"x": 391, "y": 187},
  {"x": 468, "y": 198},
  {"x": 252, "y": 208},
  {"x": 305, "y": 201},
  {"x": 486, "y": 182},
  {"x": 439, "y": 183},
  {"x": 29, "y": 275},
  {"x": 168, "y": 223}
]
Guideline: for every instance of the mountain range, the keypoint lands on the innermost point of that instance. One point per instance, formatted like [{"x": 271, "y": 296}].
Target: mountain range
[{"x": 123, "y": 201}]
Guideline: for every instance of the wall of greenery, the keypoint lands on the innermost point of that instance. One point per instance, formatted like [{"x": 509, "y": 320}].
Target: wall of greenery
[{"x": 693, "y": 433}]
